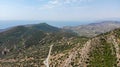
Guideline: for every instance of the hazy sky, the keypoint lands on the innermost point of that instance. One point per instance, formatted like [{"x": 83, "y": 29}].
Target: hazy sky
[{"x": 64, "y": 10}]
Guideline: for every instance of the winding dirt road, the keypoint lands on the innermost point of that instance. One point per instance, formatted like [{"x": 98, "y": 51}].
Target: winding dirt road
[{"x": 46, "y": 62}]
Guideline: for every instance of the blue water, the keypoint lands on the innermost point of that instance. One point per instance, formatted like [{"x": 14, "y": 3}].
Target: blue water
[{"x": 7, "y": 24}]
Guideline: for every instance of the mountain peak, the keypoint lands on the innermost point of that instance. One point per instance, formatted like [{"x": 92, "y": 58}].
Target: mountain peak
[
  {"x": 43, "y": 23},
  {"x": 45, "y": 27}
]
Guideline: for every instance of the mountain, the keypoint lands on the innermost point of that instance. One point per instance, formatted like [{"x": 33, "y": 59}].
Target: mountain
[
  {"x": 28, "y": 46},
  {"x": 43, "y": 27},
  {"x": 1, "y": 30},
  {"x": 94, "y": 29},
  {"x": 31, "y": 35},
  {"x": 25, "y": 46}
]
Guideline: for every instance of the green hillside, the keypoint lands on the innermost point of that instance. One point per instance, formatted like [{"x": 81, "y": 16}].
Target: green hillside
[{"x": 28, "y": 46}]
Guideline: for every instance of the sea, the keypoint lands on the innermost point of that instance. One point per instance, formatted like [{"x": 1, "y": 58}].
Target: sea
[{"x": 11, "y": 23}]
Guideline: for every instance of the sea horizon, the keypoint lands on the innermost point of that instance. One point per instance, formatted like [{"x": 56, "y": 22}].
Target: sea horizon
[{"x": 11, "y": 23}]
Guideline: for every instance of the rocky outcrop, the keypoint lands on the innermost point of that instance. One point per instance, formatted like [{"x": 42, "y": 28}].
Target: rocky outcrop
[{"x": 5, "y": 51}]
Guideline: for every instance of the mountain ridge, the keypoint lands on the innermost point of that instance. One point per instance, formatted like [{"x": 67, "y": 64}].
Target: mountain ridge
[{"x": 94, "y": 29}]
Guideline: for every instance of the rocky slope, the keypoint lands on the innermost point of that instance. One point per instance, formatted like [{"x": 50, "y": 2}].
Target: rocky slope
[
  {"x": 94, "y": 29},
  {"x": 100, "y": 51}
]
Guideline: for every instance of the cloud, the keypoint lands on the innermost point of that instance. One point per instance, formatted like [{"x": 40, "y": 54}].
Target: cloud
[
  {"x": 54, "y": 2},
  {"x": 50, "y": 4},
  {"x": 63, "y": 3}
]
